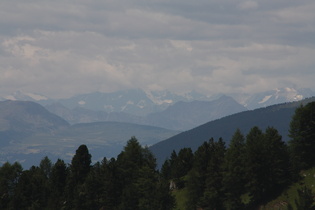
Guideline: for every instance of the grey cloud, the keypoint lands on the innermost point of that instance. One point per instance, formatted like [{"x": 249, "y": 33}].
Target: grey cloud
[{"x": 62, "y": 48}]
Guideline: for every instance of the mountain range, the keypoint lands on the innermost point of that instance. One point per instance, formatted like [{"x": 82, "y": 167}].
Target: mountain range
[
  {"x": 158, "y": 108},
  {"x": 28, "y": 132},
  {"x": 179, "y": 116},
  {"x": 278, "y": 116},
  {"x": 41, "y": 126}
]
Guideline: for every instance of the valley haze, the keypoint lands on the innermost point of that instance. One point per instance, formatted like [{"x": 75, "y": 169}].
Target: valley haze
[{"x": 29, "y": 131}]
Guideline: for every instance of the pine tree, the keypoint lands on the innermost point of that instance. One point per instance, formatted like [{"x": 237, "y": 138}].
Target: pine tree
[
  {"x": 302, "y": 134},
  {"x": 196, "y": 180},
  {"x": 234, "y": 170},
  {"x": 9, "y": 176},
  {"x": 165, "y": 172},
  {"x": 140, "y": 186},
  {"x": 255, "y": 168},
  {"x": 81, "y": 164},
  {"x": 46, "y": 165},
  {"x": 32, "y": 191},
  {"x": 277, "y": 161},
  {"x": 111, "y": 184},
  {"x": 213, "y": 195},
  {"x": 79, "y": 170},
  {"x": 58, "y": 178},
  {"x": 267, "y": 164}
]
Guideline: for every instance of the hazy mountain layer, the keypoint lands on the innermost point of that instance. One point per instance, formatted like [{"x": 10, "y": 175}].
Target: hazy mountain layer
[
  {"x": 29, "y": 132},
  {"x": 277, "y": 116}
]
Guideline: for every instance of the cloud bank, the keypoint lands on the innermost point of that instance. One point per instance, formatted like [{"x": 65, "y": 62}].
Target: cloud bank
[{"x": 62, "y": 48}]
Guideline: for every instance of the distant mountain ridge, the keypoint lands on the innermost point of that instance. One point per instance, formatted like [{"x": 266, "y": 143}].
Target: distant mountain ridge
[
  {"x": 159, "y": 108},
  {"x": 139, "y": 102},
  {"x": 187, "y": 115},
  {"x": 271, "y": 97},
  {"x": 179, "y": 116},
  {"x": 28, "y": 132},
  {"x": 277, "y": 116},
  {"x": 30, "y": 116}
]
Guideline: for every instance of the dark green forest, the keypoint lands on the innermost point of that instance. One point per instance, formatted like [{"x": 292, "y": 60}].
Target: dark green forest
[{"x": 252, "y": 170}]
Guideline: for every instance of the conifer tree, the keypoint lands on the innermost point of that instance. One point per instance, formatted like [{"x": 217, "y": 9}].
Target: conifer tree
[
  {"x": 267, "y": 164},
  {"x": 196, "y": 180},
  {"x": 213, "y": 195},
  {"x": 139, "y": 178},
  {"x": 234, "y": 170},
  {"x": 45, "y": 165},
  {"x": 277, "y": 162},
  {"x": 58, "y": 178},
  {"x": 9, "y": 177},
  {"x": 32, "y": 191},
  {"x": 165, "y": 172},
  {"x": 255, "y": 168},
  {"x": 79, "y": 170},
  {"x": 302, "y": 134}
]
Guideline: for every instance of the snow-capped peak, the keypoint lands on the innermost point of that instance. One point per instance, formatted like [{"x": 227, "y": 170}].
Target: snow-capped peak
[
  {"x": 279, "y": 95},
  {"x": 18, "y": 95},
  {"x": 37, "y": 97}
]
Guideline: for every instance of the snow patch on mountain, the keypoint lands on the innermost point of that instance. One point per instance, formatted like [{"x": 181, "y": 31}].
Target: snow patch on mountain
[
  {"x": 160, "y": 97},
  {"x": 81, "y": 102},
  {"x": 276, "y": 96},
  {"x": 10, "y": 98},
  {"x": 36, "y": 97},
  {"x": 18, "y": 95},
  {"x": 266, "y": 98}
]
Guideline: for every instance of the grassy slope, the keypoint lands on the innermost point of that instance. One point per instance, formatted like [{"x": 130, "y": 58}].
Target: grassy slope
[
  {"x": 180, "y": 197},
  {"x": 290, "y": 195},
  {"x": 280, "y": 203}
]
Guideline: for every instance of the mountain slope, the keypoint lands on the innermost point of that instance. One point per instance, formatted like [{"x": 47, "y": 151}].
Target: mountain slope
[
  {"x": 277, "y": 116},
  {"x": 134, "y": 102},
  {"x": 83, "y": 115},
  {"x": 28, "y": 132},
  {"x": 187, "y": 115},
  {"x": 271, "y": 97},
  {"x": 21, "y": 118}
]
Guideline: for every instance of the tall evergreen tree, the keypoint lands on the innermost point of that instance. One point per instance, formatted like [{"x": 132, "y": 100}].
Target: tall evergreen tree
[
  {"x": 213, "y": 195},
  {"x": 267, "y": 164},
  {"x": 45, "y": 165},
  {"x": 165, "y": 171},
  {"x": 58, "y": 178},
  {"x": 302, "y": 134},
  {"x": 32, "y": 190},
  {"x": 139, "y": 178},
  {"x": 180, "y": 165},
  {"x": 255, "y": 167},
  {"x": 9, "y": 177},
  {"x": 277, "y": 160},
  {"x": 81, "y": 164},
  {"x": 234, "y": 170},
  {"x": 196, "y": 180},
  {"x": 79, "y": 170},
  {"x": 185, "y": 160},
  {"x": 93, "y": 188}
]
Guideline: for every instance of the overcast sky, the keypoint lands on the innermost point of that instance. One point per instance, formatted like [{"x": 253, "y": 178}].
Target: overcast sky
[{"x": 65, "y": 47}]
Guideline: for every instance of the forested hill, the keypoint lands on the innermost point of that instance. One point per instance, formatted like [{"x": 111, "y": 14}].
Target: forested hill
[{"x": 277, "y": 116}]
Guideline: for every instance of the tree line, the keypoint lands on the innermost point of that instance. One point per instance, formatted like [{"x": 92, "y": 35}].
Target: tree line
[
  {"x": 248, "y": 172},
  {"x": 251, "y": 171}
]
